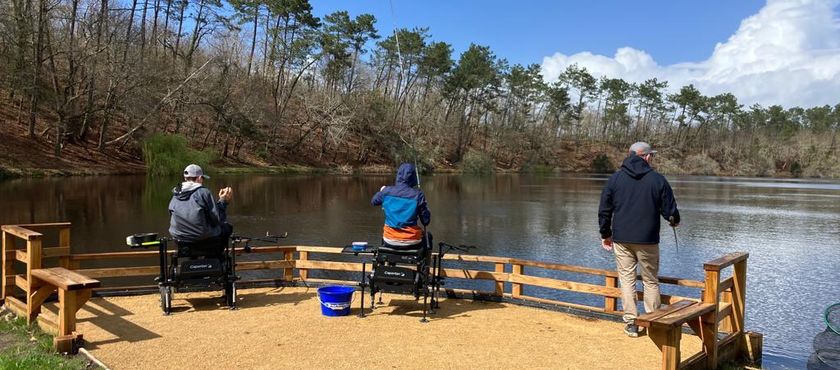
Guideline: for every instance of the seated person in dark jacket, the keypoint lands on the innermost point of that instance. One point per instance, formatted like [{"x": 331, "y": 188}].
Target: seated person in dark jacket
[
  {"x": 196, "y": 220},
  {"x": 403, "y": 204}
]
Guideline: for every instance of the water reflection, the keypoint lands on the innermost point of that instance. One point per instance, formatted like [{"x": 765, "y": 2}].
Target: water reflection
[{"x": 789, "y": 227}]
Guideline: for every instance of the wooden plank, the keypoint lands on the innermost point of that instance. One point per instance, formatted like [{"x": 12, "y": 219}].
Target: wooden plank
[
  {"x": 16, "y": 305},
  {"x": 266, "y": 249},
  {"x": 725, "y": 261},
  {"x": 566, "y": 285},
  {"x": 739, "y": 290},
  {"x": 562, "y": 267},
  {"x": 328, "y": 265},
  {"x": 47, "y": 226},
  {"x": 475, "y": 274},
  {"x": 120, "y": 271},
  {"x": 677, "y": 281},
  {"x": 677, "y": 318},
  {"x": 331, "y": 250},
  {"x": 55, "y": 252},
  {"x": 561, "y": 303},
  {"x": 39, "y": 296},
  {"x": 47, "y": 325},
  {"x": 264, "y": 265},
  {"x": 116, "y": 255},
  {"x": 667, "y": 299},
  {"x": 21, "y": 232},
  {"x": 22, "y": 256},
  {"x": 20, "y": 282},
  {"x": 698, "y": 361},
  {"x": 648, "y": 318},
  {"x": 725, "y": 284},
  {"x": 516, "y": 288},
  {"x": 65, "y": 279},
  {"x": 475, "y": 258}
]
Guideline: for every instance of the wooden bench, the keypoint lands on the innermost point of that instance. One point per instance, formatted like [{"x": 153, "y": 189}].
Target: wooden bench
[
  {"x": 665, "y": 329},
  {"x": 73, "y": 291}
]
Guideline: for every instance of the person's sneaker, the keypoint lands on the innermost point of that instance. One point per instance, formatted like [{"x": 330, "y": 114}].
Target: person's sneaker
[{"x": 632, "y": 330}]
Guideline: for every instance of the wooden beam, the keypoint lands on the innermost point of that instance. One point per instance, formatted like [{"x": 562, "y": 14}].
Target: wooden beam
[
  {"x": 288, "y": 272},
  {"x": 566, "y": 285},
  {"x": 562, "y": 267},
  {"x": 120, "y": 271},
  {"x": 115, "y": 255},
  {"x": 330, "y": 250},
  {"x": 711, "y": 296},
  {"x": 20, "y": 282},
  {"x": 55, "y": 252},
  {"x": 475, "y": 275},
  {"x": 475, "y": 258},
  {"x": 21, "y": 232},
  {"x": 328, "y": 265},
  {"x": 47, "y": 226},
  {"x": 561, "y": 303},
  {"x": 264, "y": 265},
  {"x": 16, "y": 305},
  {"x": 22, "y": 256},
  {"x": 725, "y": 261}
]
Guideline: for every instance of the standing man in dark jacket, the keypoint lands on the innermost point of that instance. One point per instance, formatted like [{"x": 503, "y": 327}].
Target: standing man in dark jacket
[
  {"x": 631, "y": 203},
  {"x": 194, "y": 216},
  {"x": 403, "y": 205}
]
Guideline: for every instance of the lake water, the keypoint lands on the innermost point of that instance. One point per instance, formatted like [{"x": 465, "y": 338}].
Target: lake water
[{"x": 790, "y": 228}]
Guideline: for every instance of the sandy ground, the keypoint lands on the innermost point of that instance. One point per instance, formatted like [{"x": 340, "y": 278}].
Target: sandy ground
[{"x": 283, "y": 328}]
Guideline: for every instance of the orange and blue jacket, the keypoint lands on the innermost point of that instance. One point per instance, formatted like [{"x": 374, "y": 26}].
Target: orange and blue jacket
[{"x": 403, "y": 204}]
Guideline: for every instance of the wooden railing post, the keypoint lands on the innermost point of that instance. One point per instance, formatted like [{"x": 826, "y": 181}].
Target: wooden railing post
[
  {"x": 711, "y": 295},
  {"x": 304, "y": 273},
  {"x": 33, "y": 253},
  {"x": 8, "y": 274},
  {"x": 288, "y": 272},
  {"x": 516, "y": 288},
  {"x": 500, "y": 285},
  {"x": 64, "y": 242},
  {"x": 611, "y": 303},
  {"x": 739, "y": 285}
]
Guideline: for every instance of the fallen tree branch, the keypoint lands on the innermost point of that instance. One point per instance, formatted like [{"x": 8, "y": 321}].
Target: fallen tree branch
[{"x": 128, "y": 134}]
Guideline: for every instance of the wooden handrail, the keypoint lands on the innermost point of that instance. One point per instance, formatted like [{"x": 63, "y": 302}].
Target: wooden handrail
[
  {"x": 46, "y": 226},
  {"x": 725, "y": 261},
  {"x": 21, "y": 232}
]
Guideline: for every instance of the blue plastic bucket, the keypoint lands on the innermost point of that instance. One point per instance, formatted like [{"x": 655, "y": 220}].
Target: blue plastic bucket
[{"x": 335, "y": 300}]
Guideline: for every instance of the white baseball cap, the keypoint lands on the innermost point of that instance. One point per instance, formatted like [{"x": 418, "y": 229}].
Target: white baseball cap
[{"x": 194, "y": 170}]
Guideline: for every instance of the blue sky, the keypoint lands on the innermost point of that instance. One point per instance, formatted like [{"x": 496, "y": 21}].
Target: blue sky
[{"x": 525, "y": 32}]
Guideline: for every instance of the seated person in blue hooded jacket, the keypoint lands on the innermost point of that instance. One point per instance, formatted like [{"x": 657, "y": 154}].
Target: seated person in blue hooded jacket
[{"x": 403, "y": 204}]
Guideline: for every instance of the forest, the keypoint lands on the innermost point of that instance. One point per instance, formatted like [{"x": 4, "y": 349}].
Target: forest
[{"x": 267, "y": 83}]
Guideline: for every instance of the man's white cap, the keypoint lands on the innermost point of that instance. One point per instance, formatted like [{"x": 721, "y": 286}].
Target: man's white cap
[
  {"x": 641, "y": 148},
  {"x": 194, "y": 170}
]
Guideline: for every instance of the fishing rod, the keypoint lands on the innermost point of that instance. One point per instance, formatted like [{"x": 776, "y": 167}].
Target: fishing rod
[{"x": 674, "y": 227}]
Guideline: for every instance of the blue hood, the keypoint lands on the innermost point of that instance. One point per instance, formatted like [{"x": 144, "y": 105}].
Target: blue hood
[
  {"x": 635, "y": 166},
  {"x": 406, "y": 175}
]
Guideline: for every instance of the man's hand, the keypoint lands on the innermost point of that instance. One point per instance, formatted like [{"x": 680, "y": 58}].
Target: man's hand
[
  {"x": 226, "y": 194},
  {"x": 607, "y": 244}
]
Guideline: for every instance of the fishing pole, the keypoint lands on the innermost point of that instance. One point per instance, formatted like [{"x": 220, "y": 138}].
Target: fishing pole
[{"x": 674, "y": 227}]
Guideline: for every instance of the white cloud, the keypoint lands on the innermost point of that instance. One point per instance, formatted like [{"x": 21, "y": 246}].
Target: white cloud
[{"x": 788, "y": 54}]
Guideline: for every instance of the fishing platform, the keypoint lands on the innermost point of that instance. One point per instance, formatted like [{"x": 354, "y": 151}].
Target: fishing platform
[{"x": 504, "y": 314}]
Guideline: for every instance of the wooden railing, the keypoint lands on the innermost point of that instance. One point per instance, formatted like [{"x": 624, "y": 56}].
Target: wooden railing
[{"x": 510, "y": 276}]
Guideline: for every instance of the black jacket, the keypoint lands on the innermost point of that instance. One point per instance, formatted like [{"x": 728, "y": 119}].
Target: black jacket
[{"x": 632, "y": 201}]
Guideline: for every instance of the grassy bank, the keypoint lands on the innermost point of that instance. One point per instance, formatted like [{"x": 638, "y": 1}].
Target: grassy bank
[{"x": 25, "y": 347}]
